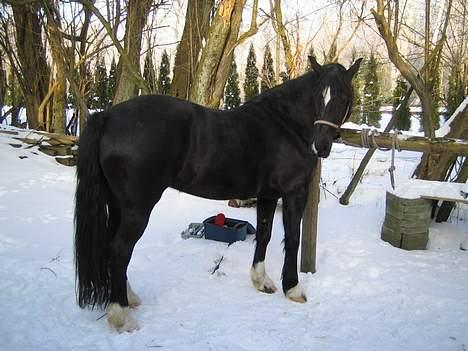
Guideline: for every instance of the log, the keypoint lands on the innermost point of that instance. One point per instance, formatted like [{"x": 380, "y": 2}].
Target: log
[
  {"x": 10, "y": 132},
  {"x": 66, "y": 161},
  {"x": 29, "y": 141},
  {"x": 63, "y": 139},
  {"x": 57, "y": 150},
  {"x": 353, "y": 137}
]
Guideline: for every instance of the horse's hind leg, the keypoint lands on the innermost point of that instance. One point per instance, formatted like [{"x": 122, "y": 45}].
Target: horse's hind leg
[
  {"x": 265, "y": 212},
  {"x": 132, "y": 224},
  {"x": 114, "y": 223},
  {"x": 293, "y": 209}
]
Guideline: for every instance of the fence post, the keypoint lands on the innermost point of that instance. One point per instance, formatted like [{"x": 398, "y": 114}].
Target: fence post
[{"x": 309, "y": 223}]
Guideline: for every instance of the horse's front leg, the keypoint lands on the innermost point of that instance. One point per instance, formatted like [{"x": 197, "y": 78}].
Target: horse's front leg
[
  {"x": 293, "y": 209},
  {"x": 265, "y": 212}
]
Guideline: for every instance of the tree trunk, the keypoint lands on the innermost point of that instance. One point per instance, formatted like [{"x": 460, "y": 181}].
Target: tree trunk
[
  {"x": 280, "y": 29},
  {"x": 82, "y": 84},
  {"x": 31, "y": 53},
  {"x": 59, "y": 86},
  {"x": 127, "y": 85},
  {"x": 434, "y": 167},
  {"x": 213, "y": 68},
  {"x": 3, "y": 85},
  {"x": 188, "y": 50}
]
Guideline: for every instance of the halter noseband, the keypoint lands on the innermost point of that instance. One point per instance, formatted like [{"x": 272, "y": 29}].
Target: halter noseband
[{"x": 330, "y": 124}]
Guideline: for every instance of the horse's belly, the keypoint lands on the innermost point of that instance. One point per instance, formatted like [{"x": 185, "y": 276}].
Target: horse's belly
[{"x": 217, "y": 184}]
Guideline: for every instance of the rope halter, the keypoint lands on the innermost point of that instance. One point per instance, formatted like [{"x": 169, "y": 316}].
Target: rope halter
[
  {"x": 331, "y": 124},
  {"x": 327, "y": 123}
]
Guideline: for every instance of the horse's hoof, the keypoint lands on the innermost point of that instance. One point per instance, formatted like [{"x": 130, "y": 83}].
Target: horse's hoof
[
  {"x": 296, "y": 294},
  {"x": 260, "y": 280},
  {"x": 119, "y": 318},
  {"x": 269, "y": 289},
  {"x": 133, "y": 299}
]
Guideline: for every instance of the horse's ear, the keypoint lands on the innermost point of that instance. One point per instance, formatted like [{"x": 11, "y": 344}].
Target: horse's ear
[
  {"x": 315, "y": 65},
  {"x": 354, "y": 68}
]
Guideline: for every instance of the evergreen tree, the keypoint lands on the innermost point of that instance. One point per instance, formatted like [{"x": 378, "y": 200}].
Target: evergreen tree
[
  {"x": 164, "y": 81},
  {"x": 251, "y": 76},
  {"x": 88, "y": 86},
  {"x": 455, "y": 94},
  {"x": 358, "y": 83},
  {"x": 268, "y": 72},
  {"x": 403, "y": 121},
  {"x": 434, "y": 82},
  {"x": 112, "y": 79},
  {"x": 100, "y": 86},
  {"x": 371, "y": 94},
  {"x": 232, "y": 91},
  {"x": 14, "y": 97},
  {"x": 149, "y": 74}
]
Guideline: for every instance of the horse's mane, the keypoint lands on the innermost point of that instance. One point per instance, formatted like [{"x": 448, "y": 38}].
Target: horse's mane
[{"x": 309, "y": 81}]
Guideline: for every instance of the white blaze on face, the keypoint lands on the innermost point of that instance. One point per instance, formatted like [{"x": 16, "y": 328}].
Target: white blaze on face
[{"x": 326, "y": 95}]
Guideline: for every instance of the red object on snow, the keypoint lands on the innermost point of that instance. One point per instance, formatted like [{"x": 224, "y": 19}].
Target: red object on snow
[{"x": 220, "y": 219}]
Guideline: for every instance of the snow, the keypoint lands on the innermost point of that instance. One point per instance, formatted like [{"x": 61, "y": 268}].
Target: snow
[
  {"x": 415, "y": 188},
  {"x": 366, "y": 294},
  {"x": 445, "y": 128}
]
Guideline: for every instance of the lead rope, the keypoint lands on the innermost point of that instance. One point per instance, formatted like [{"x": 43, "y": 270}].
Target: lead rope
[
  {"x": 395, "y": 145},
  {"x": 368, "y": 141}
]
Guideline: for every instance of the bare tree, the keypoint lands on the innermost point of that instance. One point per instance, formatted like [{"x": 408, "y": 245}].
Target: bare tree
[
  {"x": 188, "y": 50},
  {"x": 387, "y": 18},
  {"x": 129, "y": 78},
  {"x": 337, "y": 46},
  {"x": 216, "y": 57},
  {"x": 27, "y": 56}
]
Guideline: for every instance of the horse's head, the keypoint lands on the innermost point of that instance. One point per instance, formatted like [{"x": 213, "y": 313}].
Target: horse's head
[{"x": 334, "y": 103}]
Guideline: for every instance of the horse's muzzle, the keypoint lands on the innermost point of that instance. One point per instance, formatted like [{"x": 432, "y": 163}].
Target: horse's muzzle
[{"x": 322, "y": 152}]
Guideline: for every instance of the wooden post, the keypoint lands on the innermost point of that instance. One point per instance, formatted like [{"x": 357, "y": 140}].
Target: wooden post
[{"x": 309, "y": 223}]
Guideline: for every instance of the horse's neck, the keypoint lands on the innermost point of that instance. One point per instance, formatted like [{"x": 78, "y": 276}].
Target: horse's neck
[{"x": 283, "y": 109}]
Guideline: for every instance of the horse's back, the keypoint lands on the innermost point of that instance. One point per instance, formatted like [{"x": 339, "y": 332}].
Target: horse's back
[{"x": 153, "y": 142}]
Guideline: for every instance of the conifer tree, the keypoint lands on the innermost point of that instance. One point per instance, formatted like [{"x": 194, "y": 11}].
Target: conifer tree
[
  {"x": 403, "y": 121},
  {"x": 14, "y": 98},
  {"x": 455, "y": 94},
  {"x": 100, "y": 87},
  {"x": 251, "y": 75},
  {"x": 232, "y": 91},
  {"x": 434, "y": 82},
  {"x": 111, "y": 81},
  {"x": 164, "y": 81},
  {"x": 268, "y": 72},
  {"x": 371, "y": 94},
  {"x": 358, "y": 83},
  {"x": 149, "y": 74}
]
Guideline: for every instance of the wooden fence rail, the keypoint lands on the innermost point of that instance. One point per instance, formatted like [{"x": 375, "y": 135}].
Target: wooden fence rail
[{"x": 354, "y": 137}]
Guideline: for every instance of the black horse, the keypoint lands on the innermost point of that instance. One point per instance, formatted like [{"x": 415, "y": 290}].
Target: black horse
[{"x": 267, "y": 148}]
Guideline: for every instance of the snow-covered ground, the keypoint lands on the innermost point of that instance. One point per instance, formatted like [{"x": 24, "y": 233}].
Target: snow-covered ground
[{"x": 366, "y": 294}]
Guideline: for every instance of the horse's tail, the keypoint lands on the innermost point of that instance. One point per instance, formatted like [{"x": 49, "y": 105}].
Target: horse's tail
[{"x": 92, "y": 238}]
